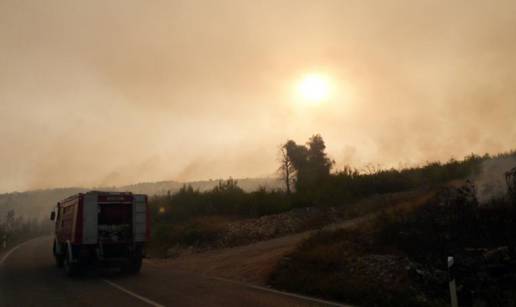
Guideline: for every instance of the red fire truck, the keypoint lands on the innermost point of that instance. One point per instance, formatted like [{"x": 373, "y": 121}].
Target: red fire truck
[{"x": 101, "y": 228}]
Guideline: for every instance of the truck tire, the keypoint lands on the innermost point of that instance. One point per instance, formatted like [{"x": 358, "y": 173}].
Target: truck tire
[
  {"x": 134, "y": 265},
  {"x": 71, "y": 269},
  {"x": 59, "y": 258}
]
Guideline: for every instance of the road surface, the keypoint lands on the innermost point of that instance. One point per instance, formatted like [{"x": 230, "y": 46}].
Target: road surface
[{"x": 28, "y": 277}]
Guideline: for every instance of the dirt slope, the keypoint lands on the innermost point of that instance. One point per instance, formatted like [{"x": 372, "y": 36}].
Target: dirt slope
[{"x": 254, "y": 262}]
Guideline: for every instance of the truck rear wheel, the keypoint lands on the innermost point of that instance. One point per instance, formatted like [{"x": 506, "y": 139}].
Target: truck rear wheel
[
  {"x": 71, "y": 269},
  {"x": 59, "y": 260},
  {"x": 134, "y": 265}
]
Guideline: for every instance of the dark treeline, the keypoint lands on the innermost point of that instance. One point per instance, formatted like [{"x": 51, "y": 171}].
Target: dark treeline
[
  {"x": 227, "y": 198},
  {"x": 309, "y": 181},
  {"x": 349, "y": 184}
]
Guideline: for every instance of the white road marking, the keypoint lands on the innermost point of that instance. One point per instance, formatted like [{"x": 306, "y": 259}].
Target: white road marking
[
  {"x": 298, "y": 296},
  {"x": 141, "y": 298},
  {"x": 265, "y": 289}
]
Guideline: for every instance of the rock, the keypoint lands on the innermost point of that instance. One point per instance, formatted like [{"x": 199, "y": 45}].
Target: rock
[{"x": 272, "y": 226}]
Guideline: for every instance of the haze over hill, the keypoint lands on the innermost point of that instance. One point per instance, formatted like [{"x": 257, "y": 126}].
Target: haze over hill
[{"x": 38, "y": 203}]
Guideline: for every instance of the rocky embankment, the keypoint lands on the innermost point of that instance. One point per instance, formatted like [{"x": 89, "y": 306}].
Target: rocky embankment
[{"x": 267, "y": 227}]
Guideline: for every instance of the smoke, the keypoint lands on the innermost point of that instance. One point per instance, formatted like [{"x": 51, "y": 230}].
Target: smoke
[
  {"x": 108, "y": 93},
  {"x": 490, "y": 182}
]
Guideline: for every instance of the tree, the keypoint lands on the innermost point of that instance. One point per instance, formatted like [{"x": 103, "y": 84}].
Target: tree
[
  {"x": 318, "y": 161},
  {"x": 286, "y": 168},
  {"x": 297, "y": 155},
  {"x": 309, "y": 164}
]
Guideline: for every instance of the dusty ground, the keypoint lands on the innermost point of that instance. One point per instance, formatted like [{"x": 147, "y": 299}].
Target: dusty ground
[{"x": 254, "y": 262}]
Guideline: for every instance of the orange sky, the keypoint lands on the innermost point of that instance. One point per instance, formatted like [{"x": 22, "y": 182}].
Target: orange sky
[{"x": 117, "y": 92}]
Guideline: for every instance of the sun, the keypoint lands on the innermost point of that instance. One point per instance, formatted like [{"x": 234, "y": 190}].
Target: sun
[{"x": 314, "y": 88}]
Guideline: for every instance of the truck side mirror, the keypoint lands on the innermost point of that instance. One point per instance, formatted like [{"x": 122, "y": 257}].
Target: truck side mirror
[{"x": 52, "y": 215}]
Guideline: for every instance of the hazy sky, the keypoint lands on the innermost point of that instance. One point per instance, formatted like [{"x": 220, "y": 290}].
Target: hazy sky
[{"x": 116, "y": 92}]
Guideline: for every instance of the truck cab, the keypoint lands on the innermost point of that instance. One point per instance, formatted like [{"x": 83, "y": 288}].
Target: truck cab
[{"x": 101, "y": 229}]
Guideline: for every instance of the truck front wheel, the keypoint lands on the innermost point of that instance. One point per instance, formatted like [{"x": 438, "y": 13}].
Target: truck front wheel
[{"x": 59, "y": 258}]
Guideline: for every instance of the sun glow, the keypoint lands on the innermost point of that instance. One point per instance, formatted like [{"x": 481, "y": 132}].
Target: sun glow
[{"x": 314, "y": 88}]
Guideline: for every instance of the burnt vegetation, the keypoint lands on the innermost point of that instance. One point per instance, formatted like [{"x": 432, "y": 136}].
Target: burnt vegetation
[
  {"x": 309, "y": 181},
  {"x": 400, "y": 257}
]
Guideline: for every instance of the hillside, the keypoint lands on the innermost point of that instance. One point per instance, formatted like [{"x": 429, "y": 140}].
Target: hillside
[
  {"x": 250, "y": 254},
  {"x": 38, "y": 203}
]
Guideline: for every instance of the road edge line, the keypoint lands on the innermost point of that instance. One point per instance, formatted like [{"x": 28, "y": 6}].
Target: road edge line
[
  {"x": 261, "y": 288},
  {"x": 294, "y": 295},
  {"x": 141, "y": 298},
  {"x": 13, "y": 249}
]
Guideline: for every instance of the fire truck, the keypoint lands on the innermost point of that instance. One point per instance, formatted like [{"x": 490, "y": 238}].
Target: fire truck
[{"x": 101, "y": 229}]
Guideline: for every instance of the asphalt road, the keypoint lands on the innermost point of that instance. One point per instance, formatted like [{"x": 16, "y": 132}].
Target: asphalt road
[{"x": 28, "y": 277}]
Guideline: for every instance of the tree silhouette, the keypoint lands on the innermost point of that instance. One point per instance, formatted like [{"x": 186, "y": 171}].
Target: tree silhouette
[
  {"x": 318, "y": 161},
  {"x": 286, "y": 169},
  {"x": 310, "y": 164}
]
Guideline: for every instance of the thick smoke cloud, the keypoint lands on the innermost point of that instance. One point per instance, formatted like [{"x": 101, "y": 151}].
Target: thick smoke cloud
[
  {"x": 107, "y": 93},
  {"x": 490, "y": 182}
]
